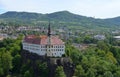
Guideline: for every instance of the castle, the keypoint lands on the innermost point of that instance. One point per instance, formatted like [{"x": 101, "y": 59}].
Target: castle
[{"x": 44, "y": 45}]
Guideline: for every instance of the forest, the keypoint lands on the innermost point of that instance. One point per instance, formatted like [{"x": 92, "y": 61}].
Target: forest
[{"x": 102, "y": 60}]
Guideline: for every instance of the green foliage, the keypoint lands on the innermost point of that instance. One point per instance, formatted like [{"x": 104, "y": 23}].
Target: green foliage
[
  {"x": 108, "y": 74},
  {"x": 96, "y": 61},
  {"x": 27, "y": 74},
  {"x": 73, "y": 53},
  {"x": 42, "y": 68},
  {"x": 102, "y": 60},
  {"x": 79, "y": 71},
  {"x": 110, "y": 57},
  {"x": 116, "y": 53},
  {"x": 1, "y": 71},
  {"x": 103, "y": 46},
  {"x": 91, "y": 72},
  {"x": 5, "y": 62},
  {"x": 117, "y": 74},
  {"x": 88, "y": 39},
  {"x": 59, "y": 72},
  {"x": 16, "y": 63}
]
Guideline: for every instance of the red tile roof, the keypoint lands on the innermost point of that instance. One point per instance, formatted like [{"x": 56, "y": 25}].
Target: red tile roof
[{"x": 54, "y": 40}]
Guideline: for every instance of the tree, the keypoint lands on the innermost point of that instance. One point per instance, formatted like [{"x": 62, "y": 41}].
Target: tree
[
  {"x": 88, "y": 39},
  {"x": 103, "y": 46},
  {"x": 116, "y": 53},
  {"x": 42, "y": 68},
  {"x": 1, "y": 71},
  {"x": 27, "y": 74},
  {"x": 110, "y": 57},
  {"x": 117, "y": 74},
  {"x": 59, "y": 72},
  {"x": 108, "y": 74},
  {"x": 85, "y": 63},
  {"x": 79, "y": 71},
  {"x": 5, "y": 62},
  {"x": 76, "y": 57},
  {"x": 16, "y": 63},
  {"x": 15, "y": 49},
  {"x": 91, "y": 72}
]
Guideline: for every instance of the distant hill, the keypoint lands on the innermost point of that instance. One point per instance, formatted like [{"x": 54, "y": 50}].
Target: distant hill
[
  {"x": 115, "y": 21},
  {"x": 67, "y": 16},
  {"x": 56, "y": 16},
  {"x": 61, "y": 16}
]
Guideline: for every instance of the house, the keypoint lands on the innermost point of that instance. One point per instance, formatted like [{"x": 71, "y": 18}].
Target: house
[
  {"x": 117, "y": 37},
  {"x": 45, "y": 45},
  {"x": 99, "y": 37}
]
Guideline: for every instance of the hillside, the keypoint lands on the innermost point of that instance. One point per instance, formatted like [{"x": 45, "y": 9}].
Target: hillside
[
  {"x": 115, "y": 21},
  {"x": 61, "y": 16},
  {"x": 56, "y": 16}
]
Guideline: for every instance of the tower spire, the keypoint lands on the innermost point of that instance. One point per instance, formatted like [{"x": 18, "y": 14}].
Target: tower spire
[
  {"x": 49, "y": 41},
  {"x": 49, "y": 29}
]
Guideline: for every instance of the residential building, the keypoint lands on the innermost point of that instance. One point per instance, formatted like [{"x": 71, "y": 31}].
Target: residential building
[{"x": 99, "y": 37}]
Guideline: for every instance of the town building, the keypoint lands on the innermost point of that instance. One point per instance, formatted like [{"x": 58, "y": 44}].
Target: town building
[
  {"x": 99, "y": 37},
  {"x": 44, "y": 45},
  {"x": 117, "y": 37}
]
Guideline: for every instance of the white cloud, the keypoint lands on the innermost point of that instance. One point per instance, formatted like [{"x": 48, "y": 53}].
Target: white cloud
[{"x": 97, "y": 8}]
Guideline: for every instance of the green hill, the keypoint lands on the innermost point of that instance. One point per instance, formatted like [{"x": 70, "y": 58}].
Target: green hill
[{"x": 58, "y": 17}]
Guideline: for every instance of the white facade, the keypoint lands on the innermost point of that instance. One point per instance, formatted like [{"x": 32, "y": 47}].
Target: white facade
[
  {"x": 117, "y": 37},
  {"x": 99, "y": 37},
  {"x": 51, "y": 51}
]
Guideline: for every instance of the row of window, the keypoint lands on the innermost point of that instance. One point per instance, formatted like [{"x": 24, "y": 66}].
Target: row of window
[
  {"x": 44, "y": 46},
  {"x": 52, "y": 46},
  {"x": 32, "y": 48},
  {"x": 53, "y": 50},
  {"x": 32, "y": 45}
]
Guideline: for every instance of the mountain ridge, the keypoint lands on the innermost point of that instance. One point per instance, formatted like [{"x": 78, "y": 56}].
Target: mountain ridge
[{"x": 60, "y": 16}]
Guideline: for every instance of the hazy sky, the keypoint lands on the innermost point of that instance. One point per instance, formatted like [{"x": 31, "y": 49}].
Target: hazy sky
[{"x": 91, "y": 8}]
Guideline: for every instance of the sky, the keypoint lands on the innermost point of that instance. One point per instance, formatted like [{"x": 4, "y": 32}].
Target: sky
[{"x": 90, "y": 8}]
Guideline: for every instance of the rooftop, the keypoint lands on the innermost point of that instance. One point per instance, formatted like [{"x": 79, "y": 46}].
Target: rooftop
[{"x": 54, "y": 40}]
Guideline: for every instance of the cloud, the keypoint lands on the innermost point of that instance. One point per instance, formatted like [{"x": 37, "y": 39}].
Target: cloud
[{"x": 97, "y": 8}]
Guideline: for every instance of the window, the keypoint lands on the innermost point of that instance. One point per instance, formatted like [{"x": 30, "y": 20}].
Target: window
[
  {"x": 51, "y": 46},
  {"x": 46, "y": 46}
]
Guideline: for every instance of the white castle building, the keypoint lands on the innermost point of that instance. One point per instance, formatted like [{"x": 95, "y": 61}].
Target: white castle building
[{"x": 48, "y": 45}]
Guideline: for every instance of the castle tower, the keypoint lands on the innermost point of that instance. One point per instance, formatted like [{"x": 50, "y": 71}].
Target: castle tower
[
  {"x": 49, "y": 41},
  {"x": 49, "y": 30}
]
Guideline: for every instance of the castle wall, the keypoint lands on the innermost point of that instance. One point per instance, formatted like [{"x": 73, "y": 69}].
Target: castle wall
[{"x": 52, "y": 51}]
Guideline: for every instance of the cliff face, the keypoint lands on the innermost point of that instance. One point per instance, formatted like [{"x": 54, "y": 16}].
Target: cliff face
[{"x": 52, "y": 64}]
